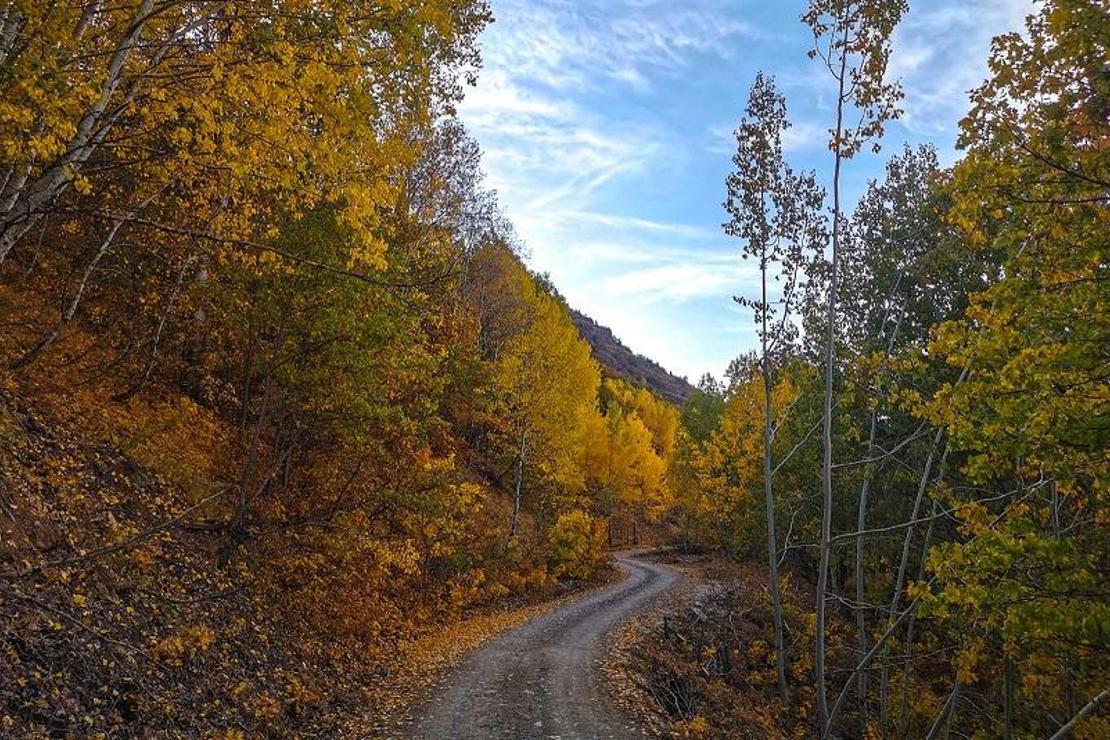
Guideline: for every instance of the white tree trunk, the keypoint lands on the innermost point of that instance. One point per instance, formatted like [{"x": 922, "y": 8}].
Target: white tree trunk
[
  {"x": 826, "y": 435},
  {"x": 23, "y": 204},
  {"x": 519, "y": 483}
]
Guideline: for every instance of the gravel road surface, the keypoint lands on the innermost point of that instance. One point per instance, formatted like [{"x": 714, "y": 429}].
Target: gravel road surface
[{"x": 543, "y": 679}]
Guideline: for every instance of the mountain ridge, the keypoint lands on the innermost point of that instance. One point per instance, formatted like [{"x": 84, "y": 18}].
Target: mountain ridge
[{"x": 624, "y": 363}]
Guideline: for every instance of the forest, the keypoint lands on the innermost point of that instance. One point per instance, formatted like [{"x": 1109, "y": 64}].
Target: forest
[{"x": 280, "y": 396}]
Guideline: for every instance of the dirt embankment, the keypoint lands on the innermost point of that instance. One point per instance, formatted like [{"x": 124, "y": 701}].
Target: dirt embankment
[{"x": 701, "y": 663}]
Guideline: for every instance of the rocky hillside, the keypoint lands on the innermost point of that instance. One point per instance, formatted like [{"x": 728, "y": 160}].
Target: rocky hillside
[{"x": 624, "y": 363}]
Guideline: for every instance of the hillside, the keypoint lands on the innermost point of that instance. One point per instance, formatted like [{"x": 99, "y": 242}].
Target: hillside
[{"x": 624, "y": 363}]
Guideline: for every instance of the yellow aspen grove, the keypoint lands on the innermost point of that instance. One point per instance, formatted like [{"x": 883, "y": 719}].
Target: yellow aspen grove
[{"x": 547, "y": 387}]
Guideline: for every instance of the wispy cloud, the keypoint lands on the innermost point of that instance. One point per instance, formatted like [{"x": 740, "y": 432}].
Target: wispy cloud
[
  {"x": 940, "y": 54},
  {"x": 540, "y": 149},
  {"x": 571, "y": 45},
  {"x": 631, "y": 223},
  {"x": 681, "y": 281},
  {"x": 805, "y": 136},
  {"x": 633, "y": 77}
]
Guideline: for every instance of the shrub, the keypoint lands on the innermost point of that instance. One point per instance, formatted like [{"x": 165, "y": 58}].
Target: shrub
[{"x": 575, "y": 544}]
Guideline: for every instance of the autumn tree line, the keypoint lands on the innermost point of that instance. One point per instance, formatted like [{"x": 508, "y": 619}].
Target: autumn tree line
[
  {"x": 921, "y": 436},
  {"x": 247, "y": 245}
]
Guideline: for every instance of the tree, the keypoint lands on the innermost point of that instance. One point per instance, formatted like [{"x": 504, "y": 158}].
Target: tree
[
  {"x": 852, "y": 40},
  {"x": 702, "y": 411},
  {"x": 700, "y": 417},
  {"x": 628, "y": 457},
  {"x": 546, "y": 385},
  {"x": 1025, "y": 576},
  {"x": 638, "y": 471},
  {"x": 658, "y": 416},
  {"x": 727, "y": 468},
  {"x": 777, "y": 214}
]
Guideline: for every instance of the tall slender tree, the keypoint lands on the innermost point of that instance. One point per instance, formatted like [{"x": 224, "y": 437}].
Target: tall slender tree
[
  {"x": 777, "y": 214},
  {"x": 852, "y": 40},
  {"x": 891, "y": 250}
]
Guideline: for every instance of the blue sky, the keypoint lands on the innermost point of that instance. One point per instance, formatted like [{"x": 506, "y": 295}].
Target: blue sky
[{"x": 606, "y": 127}]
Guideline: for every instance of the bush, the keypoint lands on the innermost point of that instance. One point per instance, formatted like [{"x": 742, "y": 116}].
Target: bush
[{"x": 575, "y": 545}]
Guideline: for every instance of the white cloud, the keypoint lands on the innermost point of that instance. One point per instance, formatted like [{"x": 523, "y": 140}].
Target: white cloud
[
  {"x": 630, "y": 223},
  {"x": 633, "y": 77},
  {"x": 680, "y": 282},
  {"x": 540, "y": 149},
  {"x": 805, "y": 136},
  {"x": 940, "y": 53},
  {"x": 497, "y": 98},
  {"x": 571, "y": 45}
]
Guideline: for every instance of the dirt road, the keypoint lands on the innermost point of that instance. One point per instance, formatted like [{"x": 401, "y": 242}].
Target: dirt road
[{"x": 543, "y": 679}]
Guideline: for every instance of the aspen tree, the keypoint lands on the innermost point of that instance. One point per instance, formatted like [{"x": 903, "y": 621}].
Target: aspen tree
[
  {"x": 852, "y": 40},
  {"x": 776, "y": 213}
]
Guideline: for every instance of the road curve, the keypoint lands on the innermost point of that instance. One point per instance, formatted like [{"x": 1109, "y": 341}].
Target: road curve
[{"x": 543, "y": 679}]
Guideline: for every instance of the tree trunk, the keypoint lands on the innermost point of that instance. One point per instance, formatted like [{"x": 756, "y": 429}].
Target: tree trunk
[
  {"x": 1091, "y": 706},
  {"x": 519, "y": 483},
  {"x": 861, "y": 518},
  {"x": 193, "y": 382},
  {"x": 945, "y": 713},
  {"x": 1008, "y": 700},
  {"x": 866, "y": 661},
  {"x": 71, "y": 309},
  {"x": 826, "y": 432},
  {"x": 768, "y": 489},
  {"x": 861, "y": 524},
  {"x": 900, "y": 577},
  {"x": 139, "y": 384},
  {"x": 11, "y": 21},
  {"x": 21, "y": 208},
  {"x": 910, "y": 623},
  {"x": 772, "y": 545}
]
